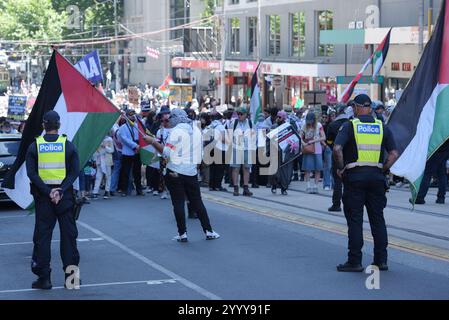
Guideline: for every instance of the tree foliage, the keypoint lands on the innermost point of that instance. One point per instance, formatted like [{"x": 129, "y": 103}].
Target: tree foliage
[
  {"x": 29, "y": 20},
  {"x": 95, "y": 15}
]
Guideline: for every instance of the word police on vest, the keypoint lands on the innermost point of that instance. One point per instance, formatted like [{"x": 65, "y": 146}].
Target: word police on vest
[
  {"x": 368, "y": 129},
  {"x": 51, "y": 147}
]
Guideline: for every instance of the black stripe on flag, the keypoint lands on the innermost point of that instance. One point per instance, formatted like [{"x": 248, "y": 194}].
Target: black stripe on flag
[
  {"x": 404, "y": 119},
  {"x": 46, "y": 100}
]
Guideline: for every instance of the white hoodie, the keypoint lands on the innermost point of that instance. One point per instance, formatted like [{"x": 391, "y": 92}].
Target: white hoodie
[{"x": 184, "y": 149}]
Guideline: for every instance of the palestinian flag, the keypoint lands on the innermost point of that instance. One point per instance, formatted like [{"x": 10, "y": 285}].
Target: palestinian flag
[
  {"x": 350, "y": 89},
  {"x": 148, "y": 154},
  {"x": 377, "y": 58},
  {"x": 255, "y": 107},
  {"x": 164, "y": 89},
  {"x": 380, "y": 55},
  {"x": 86, "y": 117},
  {"x": 420, "y": 121}
]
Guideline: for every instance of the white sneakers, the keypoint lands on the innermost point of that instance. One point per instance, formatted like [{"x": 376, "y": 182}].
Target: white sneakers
[
  {"x": 164, "y": 195},
  {"x": 212, "y": 235},
  {"x": 181, "y": 238},
  {"x": 155, "y": 193},
  {"x": 327, "y": 189}
]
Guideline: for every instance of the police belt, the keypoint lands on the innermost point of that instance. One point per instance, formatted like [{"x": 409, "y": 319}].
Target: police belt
[{"x": 363, "y": 164}]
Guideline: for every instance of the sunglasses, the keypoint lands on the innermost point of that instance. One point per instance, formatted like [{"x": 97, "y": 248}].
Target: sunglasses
[{"x": 240, "y": 114}]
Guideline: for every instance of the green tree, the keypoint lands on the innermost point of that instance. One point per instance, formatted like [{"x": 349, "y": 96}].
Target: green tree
[
  {"x": 95, "y": 15},
  {"x": 30, "y": 20}
]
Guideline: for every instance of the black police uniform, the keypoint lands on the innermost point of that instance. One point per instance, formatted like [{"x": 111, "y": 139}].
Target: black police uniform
[
  {"x": 364, "y": 187},
  {"x": 47, "y": 212}
]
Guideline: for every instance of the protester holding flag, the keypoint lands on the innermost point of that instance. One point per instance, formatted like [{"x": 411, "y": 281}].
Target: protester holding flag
[
  {"x": 183, "y": 152},
  {"x": 129, "y": 136},
  {"x": 52, "y": 166},
  {"x": 359, "y": 153}
]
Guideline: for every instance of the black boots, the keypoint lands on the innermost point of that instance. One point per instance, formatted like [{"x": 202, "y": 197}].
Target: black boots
[
  {"x": 43, "y": 283},
  {"x": 246, "y": 192}
]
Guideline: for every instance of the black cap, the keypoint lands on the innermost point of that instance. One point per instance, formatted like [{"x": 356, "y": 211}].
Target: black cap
[
  {"x": 51, "y": 116},
  {"x": 363, "y": 100}
]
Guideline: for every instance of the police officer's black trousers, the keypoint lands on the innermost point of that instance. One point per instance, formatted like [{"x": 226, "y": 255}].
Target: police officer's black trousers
[
  {"x": 181, "y": 187},
  {"x": 356, "y": 196},
  {"x": 46, "y": 216}
]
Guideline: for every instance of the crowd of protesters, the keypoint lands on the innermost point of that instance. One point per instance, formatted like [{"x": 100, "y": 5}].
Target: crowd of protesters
[{"x": 116, "y": 166}]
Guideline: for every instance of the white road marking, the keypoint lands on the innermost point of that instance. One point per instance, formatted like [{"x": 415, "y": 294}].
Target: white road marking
[
  {"x": 152, "y": 264},
  {"x": 17, "y": 216},
  {"x": 30, "y": 242},
  {"x": 147, "y": 282}
]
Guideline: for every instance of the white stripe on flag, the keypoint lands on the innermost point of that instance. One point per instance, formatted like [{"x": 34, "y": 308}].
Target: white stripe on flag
[
  {"x": 70, "y": 121},
  {"x": 255, "y": 104},
  {"x": 21, "y": 194},
  {"x": 378, "y": 65},
  {"x": 412, "y": 162}
]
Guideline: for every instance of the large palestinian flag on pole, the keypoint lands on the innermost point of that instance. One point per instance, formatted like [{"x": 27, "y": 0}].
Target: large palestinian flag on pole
[
  {"x": 86, "y": 117},
  {"x": 420, "y": 121},
  {"x": 377, "y": 58}
]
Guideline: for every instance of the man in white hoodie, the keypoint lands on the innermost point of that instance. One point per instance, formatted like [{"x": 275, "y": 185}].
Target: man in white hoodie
[{"x": 183, "y": 151}]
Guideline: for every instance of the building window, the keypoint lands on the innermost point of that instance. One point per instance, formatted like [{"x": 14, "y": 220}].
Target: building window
[
  {"x": 179, "y": 15},
  {"x": 298, "y": 25},
  {"x": 274, "y": 40},
  {"x": 252, "y": 34},
  {"x": 234, "y": 2},
  {"x": 325, "y": 22},
  {"x": 235, "y": 35}
]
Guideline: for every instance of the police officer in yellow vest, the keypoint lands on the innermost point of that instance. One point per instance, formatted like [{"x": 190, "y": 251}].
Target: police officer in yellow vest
[
  {"x": 53, "y": 166},
  {"x": 364, "y": 151}
]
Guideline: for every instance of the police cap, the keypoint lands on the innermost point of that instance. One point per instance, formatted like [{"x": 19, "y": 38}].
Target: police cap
[
  {"x": 51, "y": 117},
  {"x": 363, "y": 100}
]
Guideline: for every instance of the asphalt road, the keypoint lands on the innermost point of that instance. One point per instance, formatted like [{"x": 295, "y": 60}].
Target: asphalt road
[{"x": 127, "y": 252}]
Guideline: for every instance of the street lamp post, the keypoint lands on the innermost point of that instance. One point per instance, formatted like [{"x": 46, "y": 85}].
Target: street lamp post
[{"x": 116, "y": 67}]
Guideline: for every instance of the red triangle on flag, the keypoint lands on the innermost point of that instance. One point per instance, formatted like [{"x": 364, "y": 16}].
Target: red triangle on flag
[{"x": 79, "y": 94}]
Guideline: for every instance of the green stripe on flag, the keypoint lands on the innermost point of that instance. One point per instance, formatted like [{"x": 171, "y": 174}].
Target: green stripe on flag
[
  {"x": 92, "y": 132},
  {"x": 147, "y": 157}
]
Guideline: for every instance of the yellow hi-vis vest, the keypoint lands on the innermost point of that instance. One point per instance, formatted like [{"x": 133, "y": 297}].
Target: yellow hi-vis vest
[
  {"x": 51, "y": 160},
  {"x": 368, "y": 137}
]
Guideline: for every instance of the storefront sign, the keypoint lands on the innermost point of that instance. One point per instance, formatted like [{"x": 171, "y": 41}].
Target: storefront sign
[{"x": 363, "y": 80}]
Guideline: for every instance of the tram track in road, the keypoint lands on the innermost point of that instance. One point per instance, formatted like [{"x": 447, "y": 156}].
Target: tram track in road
[
  {"x": 391, "y": 206},
  {"x": 321, "y": 223},
  {"x": 417, "y": 232}
]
